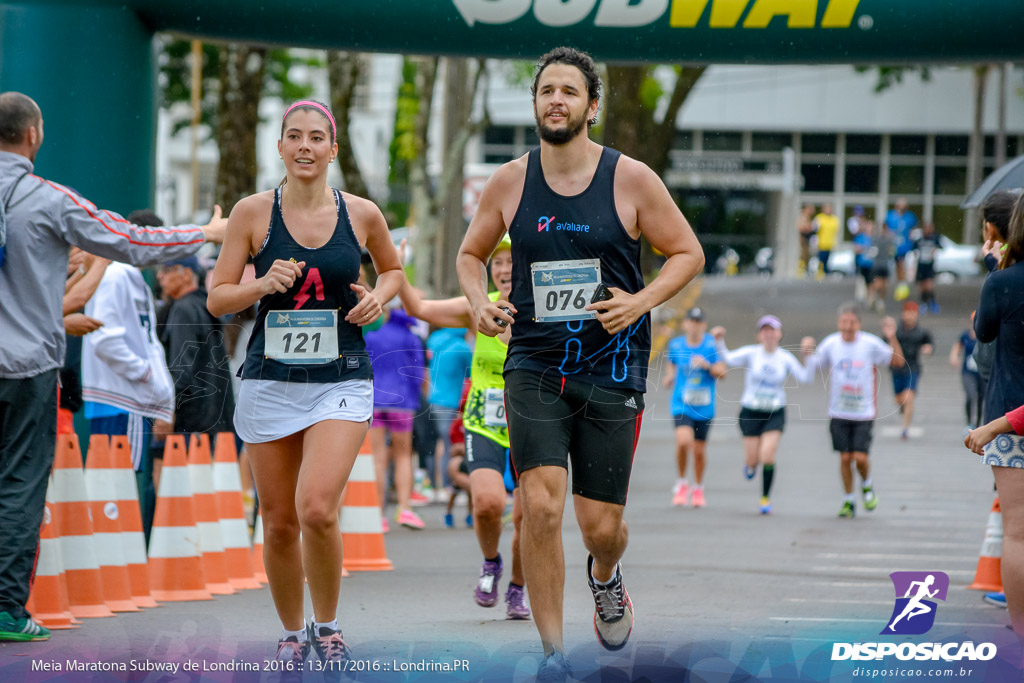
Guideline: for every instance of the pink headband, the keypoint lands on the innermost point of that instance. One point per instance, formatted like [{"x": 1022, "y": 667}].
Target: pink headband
[{"x": 308, "y": 103}]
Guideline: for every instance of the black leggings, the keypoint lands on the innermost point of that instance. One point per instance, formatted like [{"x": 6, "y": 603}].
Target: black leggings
[{"x": 974, "y": 396}]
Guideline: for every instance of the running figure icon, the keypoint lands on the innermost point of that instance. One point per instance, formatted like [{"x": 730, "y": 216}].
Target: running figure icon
[{"x": 916, "y": 607}]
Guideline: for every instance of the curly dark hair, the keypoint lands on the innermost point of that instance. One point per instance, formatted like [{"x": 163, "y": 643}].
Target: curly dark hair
[{"x": 572, "y": 57}]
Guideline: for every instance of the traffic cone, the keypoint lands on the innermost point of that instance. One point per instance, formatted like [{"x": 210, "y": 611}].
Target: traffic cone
[
  {"x": 74, "y": 527},
  {"x": 211, "y": 543},
  {"x": 106, "y": 525},
  {"x": 258, "y": 568},
  {"x": 48, "y": 601},
  {"x": 361, "y": 531},
  {"x": 988, "y": 576},
  {"x": 132, "y": 537},
  {"x": 175, "y": 567},
  {"x": 227, "y": 483}
]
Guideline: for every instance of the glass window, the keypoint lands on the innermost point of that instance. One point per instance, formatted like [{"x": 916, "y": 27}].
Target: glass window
[
  {"x": 717, "y": 141},
  {"x": 819, "y": 177},
  {"x": 863, "y": 144},
  {"x": 770, "y": 142},
  {"x": 818, "y": 143},
  {"x": 906, "y": 179},
  {"x": 951, "y": 145},
  {"x": 861, "y": 178},
  {"x": 500, "y": 135},
  {"x": 950, "y": 180},
  {"x": 990, "y": 146},
  {"x": 907, "y": 144},
  {"x": 683, "y": 140}
]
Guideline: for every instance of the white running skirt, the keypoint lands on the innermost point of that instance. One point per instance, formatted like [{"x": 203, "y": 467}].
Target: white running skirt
[{"x": 268, "y": 410}]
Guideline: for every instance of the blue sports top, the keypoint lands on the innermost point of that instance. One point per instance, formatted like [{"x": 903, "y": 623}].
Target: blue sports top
[
  {"x": 324, "y": 285},
  {"x": 551, "y": 227},
  {"x": 694, "y": 392}
]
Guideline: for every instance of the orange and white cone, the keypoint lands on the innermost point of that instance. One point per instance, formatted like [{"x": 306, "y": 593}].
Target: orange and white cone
[
  {"x": 227, "y": 483},
  {"x": 361, "y": 529},
  {"x": 133, "y": 539},
  {"x": 258, "y": 568},
  {"x": 48, "y": 601},
  {"x": 106, "y": 525},
  {"x": 988, "y": 576},
  {"x": 74, "y": 527},
  {"x": 175, "y": 567},
  {"x": 211, "y": 543}
]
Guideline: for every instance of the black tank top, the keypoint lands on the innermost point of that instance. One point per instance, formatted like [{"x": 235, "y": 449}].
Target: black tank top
[
  {"x": 551, "y": 227},
  {"x": 324, "y": 285}
]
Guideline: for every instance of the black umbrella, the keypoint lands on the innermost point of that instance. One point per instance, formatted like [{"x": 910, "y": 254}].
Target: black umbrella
[{"x": 1009, "y": 176}]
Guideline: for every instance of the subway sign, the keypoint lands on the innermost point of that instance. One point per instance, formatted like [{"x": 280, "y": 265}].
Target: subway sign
[{"x": 693, "y": 31}]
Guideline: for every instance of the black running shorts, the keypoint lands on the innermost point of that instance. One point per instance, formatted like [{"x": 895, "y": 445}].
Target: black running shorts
[
  {"x": 757, "y": 422},
  {"x": 484, "y": 453},
  {"x": 851, "y": 436},
  {"x": 553, "y": 420},
  {"x": 700, "y": 427}
]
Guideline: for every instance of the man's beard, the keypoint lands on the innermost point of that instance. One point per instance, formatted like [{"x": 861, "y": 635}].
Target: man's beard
[{"x": 561, "y": 136}]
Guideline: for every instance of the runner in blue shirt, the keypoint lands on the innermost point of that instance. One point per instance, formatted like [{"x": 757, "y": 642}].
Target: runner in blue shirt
[{"x": 693, "y": 364}]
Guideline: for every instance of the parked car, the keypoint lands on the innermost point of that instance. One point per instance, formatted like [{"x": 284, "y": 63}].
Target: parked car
[{"x": 953, "y": 261}]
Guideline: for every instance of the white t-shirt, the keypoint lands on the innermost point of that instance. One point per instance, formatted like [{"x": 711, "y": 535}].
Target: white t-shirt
[
  {"x": 764, "y": 384},
  {"x": 853, "y": 389}
]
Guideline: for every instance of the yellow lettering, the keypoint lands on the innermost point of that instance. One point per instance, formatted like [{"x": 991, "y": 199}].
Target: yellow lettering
[
  {"x": 801, "y": 13},
  {"x": 839, "y": 13},
  {"x": 724, "y": 13}
]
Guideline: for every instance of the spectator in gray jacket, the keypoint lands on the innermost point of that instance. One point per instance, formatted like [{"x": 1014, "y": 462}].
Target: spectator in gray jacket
[{"x": 43, "y": 220}]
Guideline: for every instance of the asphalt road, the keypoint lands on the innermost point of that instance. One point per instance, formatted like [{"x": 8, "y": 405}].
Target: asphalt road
[{"x": 720, "y": 594}]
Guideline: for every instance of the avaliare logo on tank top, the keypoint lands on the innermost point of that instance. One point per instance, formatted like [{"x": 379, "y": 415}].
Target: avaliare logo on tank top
[{"x": 544, "y": 224}]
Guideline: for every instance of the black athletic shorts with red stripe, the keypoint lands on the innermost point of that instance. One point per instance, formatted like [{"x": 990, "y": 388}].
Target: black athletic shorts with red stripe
[{"x": 553, "y": 420}]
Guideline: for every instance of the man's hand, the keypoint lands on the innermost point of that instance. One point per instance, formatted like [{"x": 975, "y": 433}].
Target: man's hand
[
  {"x": 162, "y": 429},
  {"x": 281, "y": 276},
  {"x": 888, "y": 327},
  {"x": 807, "y": 346},
  {"x": 79, "y": 324},
  {"x": 217, "y": 227},
  {"x": 488, "y": 313},
  {"x": 619, "y": 312},
  {"x": 698, "y": 362},
  {"x": 367, "y": 310}
]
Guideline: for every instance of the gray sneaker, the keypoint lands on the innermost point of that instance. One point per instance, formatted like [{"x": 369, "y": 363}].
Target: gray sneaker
[
  {"x": 613, "y": 610},
  {"x": 555, "y": 667},
  {"x": 515, "y": 600}
]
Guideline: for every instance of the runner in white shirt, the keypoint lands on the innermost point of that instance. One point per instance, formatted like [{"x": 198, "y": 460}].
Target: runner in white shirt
[
  {"x": 763, "y": 405},
  {"x": 850, "y": 357}
]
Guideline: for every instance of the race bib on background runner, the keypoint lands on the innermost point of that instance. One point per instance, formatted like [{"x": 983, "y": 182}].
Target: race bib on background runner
[
  {"x": 766, "y": 401},
  {"x": 301, "y": 337},
  {"x": 562, "y": 289},
  {"x": 851, "y": 399},
  {"x": 494, "y": 408}
]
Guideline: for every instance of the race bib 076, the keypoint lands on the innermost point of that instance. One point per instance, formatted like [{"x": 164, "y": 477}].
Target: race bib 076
[{"x": 562, "y": 289}]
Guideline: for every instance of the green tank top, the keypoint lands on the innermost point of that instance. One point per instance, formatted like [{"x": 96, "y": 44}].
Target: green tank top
[{"x": 484, "y": 413}]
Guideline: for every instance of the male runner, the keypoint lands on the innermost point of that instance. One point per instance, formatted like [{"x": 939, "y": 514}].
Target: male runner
[
  {"x": 915, "y": 341},
  {"x": 849, "y": 356},
  {"x": 576, "y": 371}
]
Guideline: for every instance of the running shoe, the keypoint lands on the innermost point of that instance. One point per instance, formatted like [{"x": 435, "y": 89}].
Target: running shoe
[
  {"x": 681, "y": 494},
  {"x": 766, "y": 505},
  {"x": 384, "y": 524},
  {"x": 554, "y": 668},
  {"x": 847, "y": 511},
  {"x": 613, "y": 610},
  {"x": 870, "y": 499},
  {"x": 417, "y": 499},
  {"x": 24, "y": 629},
  {"x": 749, "y": 471},
  {"x": 469, "y": 520},
  {"x": 515, "y": 601},
  {"x": 449, "y": 521},
  {"x": 332, "y": 650},
  {"x": 291, "y": 657},
  {"x": 486, "y": 591},
  {"x": 410, "y": 520},
  {"x": 997, "y": 599},
  {"x": 905, "y": 434},
  {"x": 698, "y": 497}
]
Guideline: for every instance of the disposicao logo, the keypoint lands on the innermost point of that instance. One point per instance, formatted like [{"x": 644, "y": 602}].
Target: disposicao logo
[
  {"x": 544, "y": 222},
  {"x": 914, "y": 614}
]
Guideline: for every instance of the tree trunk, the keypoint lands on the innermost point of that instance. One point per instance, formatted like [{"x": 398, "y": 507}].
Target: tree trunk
[
  {"x": 423, "y": 214},
  {"x": 975, "y": 154},
  {"x": 343, "y": 70},
  {"x": 240, "y": 80}
]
